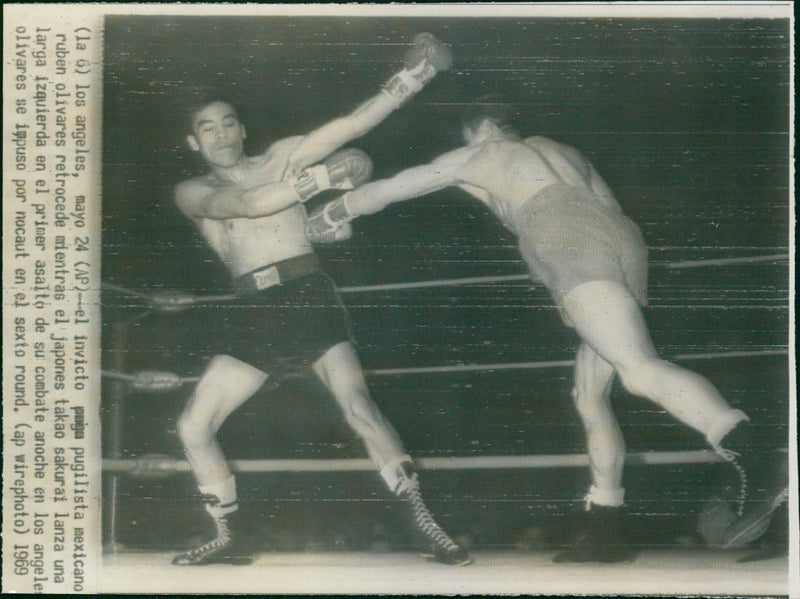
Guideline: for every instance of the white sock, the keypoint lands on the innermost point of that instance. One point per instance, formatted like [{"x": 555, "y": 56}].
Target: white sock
[
  {"x": 225, "y": 491},
  {"x": 608, "y": 497},
  {"x": 389, "y": 472}
]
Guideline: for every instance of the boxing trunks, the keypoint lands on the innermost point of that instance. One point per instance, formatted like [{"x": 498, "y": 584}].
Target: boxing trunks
[
  {"x": 568, "y": 237},
  {"x": 284, "y": 318}
]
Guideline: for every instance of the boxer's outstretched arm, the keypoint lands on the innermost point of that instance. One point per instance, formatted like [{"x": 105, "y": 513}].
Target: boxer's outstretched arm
[
  {"x": 326, "y": 139},
  {"x": 325, "y": 223},
  {"x": 411, "y": 183},
  {"x": 445, "y": 171},
  {"x": 426, "y": 57}
]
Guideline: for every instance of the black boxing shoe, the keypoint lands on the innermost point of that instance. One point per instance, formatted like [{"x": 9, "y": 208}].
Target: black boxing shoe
[
  {"x": 227, "y": 547},
  {"x": 435, "y": 543},
  {"x": 763, "y": 477},
  {"x": 602, "y": 540},
  {"x": 753, "y": 523}
]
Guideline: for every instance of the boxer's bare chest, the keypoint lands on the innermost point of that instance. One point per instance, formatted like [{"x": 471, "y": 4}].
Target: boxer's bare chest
[{"x": 247, "y": 243}]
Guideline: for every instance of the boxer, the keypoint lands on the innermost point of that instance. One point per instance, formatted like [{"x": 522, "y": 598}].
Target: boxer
[
  {"x": 574, "y": 237},
  {"x": 249, "y": 210}
]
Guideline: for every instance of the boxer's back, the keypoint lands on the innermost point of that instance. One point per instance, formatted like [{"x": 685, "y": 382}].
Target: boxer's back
[{"x": 506, "y": 174}]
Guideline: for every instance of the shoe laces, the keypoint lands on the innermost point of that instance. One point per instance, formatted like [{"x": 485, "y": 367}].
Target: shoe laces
[
  {"x": 742, "y": 486},
  {"x": 730, "y": 456},
  {"x": 426, "y": 523},
  {"x": 780, "y": 498},
  {"x": 223, "y": 538}
]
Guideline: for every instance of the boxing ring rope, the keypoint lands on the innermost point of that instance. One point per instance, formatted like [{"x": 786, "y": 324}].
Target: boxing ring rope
[
  {"x": 169, "y": 301},
  {"x": 727, "y": 261},
  {"x": 157, "y": 466},
  {"x": 155, "y": 381},
  {"x": 561, "y": 363},
  {"x": 529, "y": 277},
  {"x": 151, "y": 380}
]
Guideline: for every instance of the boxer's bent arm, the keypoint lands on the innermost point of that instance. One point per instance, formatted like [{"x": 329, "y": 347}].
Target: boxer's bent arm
[{"x": 196, "y": 200}]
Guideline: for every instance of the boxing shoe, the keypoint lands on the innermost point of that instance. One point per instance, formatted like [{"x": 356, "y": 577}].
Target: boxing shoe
[
  {"x": 753, "y": 523},
  {"x": 763, "y": 480},
  {"x": 603, "y": 538},
  {"x": 227, "y": 547},
  {"x": 345, "y": 169},
  {"x": 434, "y": 542}
]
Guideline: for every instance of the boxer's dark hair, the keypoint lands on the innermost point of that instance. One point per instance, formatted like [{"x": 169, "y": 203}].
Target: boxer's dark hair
[{"x": 493, "y": 107}]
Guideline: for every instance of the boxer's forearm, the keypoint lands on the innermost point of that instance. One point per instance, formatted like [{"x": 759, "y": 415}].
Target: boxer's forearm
[
  {"x": 414, "y": 182},
  {"x": 236, "y": 202},
  {"x": 330, "y": 222},
  {"x": 321, "y": 142},
  {"x": 426, "y": 57},
  {"x": 268, "y": 199}
]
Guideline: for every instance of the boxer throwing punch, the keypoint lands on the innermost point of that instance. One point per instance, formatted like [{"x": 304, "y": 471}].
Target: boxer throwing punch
[
  {"x": 250, "y": 212},
  {"x": 575, "y": 238}
]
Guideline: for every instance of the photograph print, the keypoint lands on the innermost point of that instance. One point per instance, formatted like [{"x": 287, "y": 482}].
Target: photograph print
[{"x": 446, "y": 304}]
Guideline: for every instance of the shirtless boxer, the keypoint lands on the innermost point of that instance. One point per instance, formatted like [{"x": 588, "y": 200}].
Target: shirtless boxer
[
  {"x": 288, "y": 314},
  {"x": 574, "y": 238}
]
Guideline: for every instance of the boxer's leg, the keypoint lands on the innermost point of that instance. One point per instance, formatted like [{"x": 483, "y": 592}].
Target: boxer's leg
[
  {"x": 610, "y": 321},
  {"x": 604, "y": 442},
  {"x": 340, "y": 370},
  {"x": 602, "y": 538},
  {"x": 225, "y": 385}
]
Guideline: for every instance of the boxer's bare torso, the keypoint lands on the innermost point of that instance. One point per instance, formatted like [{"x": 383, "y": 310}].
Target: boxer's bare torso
[
  {"x": 506, "y": 174},
  {"x": 243, "y": 243}
]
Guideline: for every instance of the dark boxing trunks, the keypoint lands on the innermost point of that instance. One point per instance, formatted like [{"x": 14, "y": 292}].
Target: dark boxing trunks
[
  {"x": 284, "y": 318},
  {"x": 567, "y": 237}
]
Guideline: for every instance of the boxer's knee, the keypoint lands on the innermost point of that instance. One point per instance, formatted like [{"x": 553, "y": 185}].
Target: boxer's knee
[
  {"x": 586, "y": 405},
  {"x": 592, "y": 388},
  {"x": 194, "y": 430},
  {"x": 639, "y": 377}
]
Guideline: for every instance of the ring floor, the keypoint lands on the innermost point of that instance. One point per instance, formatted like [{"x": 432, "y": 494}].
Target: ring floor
[{"x": 653, "y": 572}]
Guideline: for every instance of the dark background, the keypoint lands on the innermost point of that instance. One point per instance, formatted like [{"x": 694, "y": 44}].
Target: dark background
[{"x": 687, "y": 120}]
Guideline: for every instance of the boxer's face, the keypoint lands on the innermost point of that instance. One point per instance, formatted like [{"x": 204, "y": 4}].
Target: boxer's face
[{"x": 217, "y": 134}]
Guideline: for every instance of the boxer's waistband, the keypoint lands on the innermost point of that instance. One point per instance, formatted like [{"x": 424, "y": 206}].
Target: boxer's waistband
[{"x": 274, "y": 274}]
